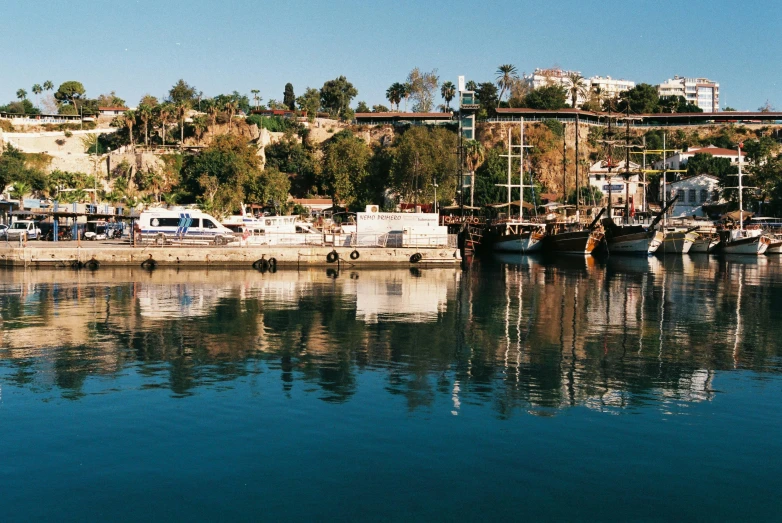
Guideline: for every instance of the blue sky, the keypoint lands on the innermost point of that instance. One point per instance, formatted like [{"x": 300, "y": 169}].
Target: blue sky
[{"x": 144, "y": 46}]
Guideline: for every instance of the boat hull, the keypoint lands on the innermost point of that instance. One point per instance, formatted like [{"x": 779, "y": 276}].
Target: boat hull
[
  {"x": 520, "y": 243},
  {"x": 750, "y": 246},
  {"x": 636, "y": 243},
  {"x": 774, "y": 247},
  {"x": 576, "y": 242},
  {"x": 695, "y": 243},
  {"x": 668, "y": 242}
]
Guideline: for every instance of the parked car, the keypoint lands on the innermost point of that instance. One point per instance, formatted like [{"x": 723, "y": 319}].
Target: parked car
[{"x": 22, "y": 229}]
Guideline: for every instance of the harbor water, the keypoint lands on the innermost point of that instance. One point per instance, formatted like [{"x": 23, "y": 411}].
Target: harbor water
[{"x": 517, "y": 388}]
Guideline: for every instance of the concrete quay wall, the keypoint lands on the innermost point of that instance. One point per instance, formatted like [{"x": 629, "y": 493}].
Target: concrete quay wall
[{"x": 47, "y": 255}]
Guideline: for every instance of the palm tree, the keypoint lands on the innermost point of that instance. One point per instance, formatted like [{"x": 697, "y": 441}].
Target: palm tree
[
  {"x": 199, "y": 125},
  {"x": 145, "y": 113},
  {"x": 181, "y": 111},
  {"x": 474, "y": 154},
  {"x": 48, "y": 85},
  {"x": 578, "y": 88},
  {"x": 21, "y": 189},
  {"x": 129, "y": 119},
  {"x": 37, "y": 90},
  {"x": 256, "y": 97},
  {"x": 407, "y": 90},
  {"x": 21, "y": 94},
  {"x": 165, "y": 111},
  {"x": 231, "y": 106},
  {"x": 211, "y": 110},
  {"x": 506, "y": 74},
  {"x": 394, "y": 94},
  {"x": 448, "y": 91},
  {"x": 471, "y": 86}
]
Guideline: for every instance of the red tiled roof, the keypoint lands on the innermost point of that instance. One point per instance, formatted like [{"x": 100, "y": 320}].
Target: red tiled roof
[{"x": 719, "y": 151}]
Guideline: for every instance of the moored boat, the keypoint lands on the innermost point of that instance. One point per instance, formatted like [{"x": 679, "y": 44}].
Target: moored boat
[
  {"x": 774, "y": 243},
  {"x": 517, "y": 236},
  {"x": 742, "y": 241},
  {"x": 700, "y": 242},
  {"x": 668, "y": 240},
  {"x": 569, "y": 238}
]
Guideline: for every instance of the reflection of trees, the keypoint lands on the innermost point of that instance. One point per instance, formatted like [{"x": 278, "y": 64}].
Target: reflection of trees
[{"x": 533, "y": 336}]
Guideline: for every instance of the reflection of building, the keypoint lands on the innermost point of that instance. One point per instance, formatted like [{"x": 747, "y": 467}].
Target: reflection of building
[{"x": 397, "y": 297}]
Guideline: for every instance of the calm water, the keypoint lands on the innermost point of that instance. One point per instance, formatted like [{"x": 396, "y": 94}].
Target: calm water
[{"x": 633, "y": 389}]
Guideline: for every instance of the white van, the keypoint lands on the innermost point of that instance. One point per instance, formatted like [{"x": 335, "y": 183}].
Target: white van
[
  {"x": 192, "y": 226},
  {"x": 28, "y": 229}
]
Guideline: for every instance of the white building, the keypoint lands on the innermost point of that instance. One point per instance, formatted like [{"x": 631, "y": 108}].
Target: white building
[
  {"x": 679, "y": 160},
  {"x": 699, "y": 91},
  {"x": 612, "y": 182},
  {"x": 694, "y": 192},
  {"x": 609, "y": 87}
]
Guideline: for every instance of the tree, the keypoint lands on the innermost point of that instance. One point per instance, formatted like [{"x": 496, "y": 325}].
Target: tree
[
  {"x": 21, "y": 94},
  {"x": 256, "y": 98},
  {"x": 729, "y": 108},
  {"x": 423, "y": 86},
  {"x": 200, "y": 124},
  {"x": 345, "y": 161},
  {"x": 182, "y": 92},
  {"x": 70, "y": 93},
  {"x": 765, "y": 108},
  {"x": 165, "y": 112},
  {"x": 577, "y": 89},
  {"x": 506, "y": 73},
  {"x": 230, "y": 108},
  {"x": 145, "y": 114},
  {"x": 288, "y": 98},
  {"x": 486, "y": 93},
  {"x": 642, "y": 99},
  {"x": 474, "y": 155},
  {"x": 221, "y": 174},
  {"x": 130, "y": 120},
  {"x": 420, "y": 156},
  {"x": 519, "y": 89},
  {"x": 394, "y": 94},
  {"x": 211, "y": 110},
  {"x": 362, "y": 107},
  {"x": 551, "y": 97},
  {"x": 379, "y": 109},
  {"x": 310, "y": 102},
  {"x": 336, "y": 95},
  {"x": 448, "y": 91},
  {"x": 296, "y": 159},
  {"x": 471, "y": 86},
  {"x": 149, "y": 100},
  {"x": 109, "y": 100},
  {"x": 37, "y": 90},
  {"x": 270, "y": 186},
  {"x": 181, "y": 111},
  {"x": 676, "y": 104},
  {"x": 48, "y": 85},
  {"x": 406, "y": 91}
]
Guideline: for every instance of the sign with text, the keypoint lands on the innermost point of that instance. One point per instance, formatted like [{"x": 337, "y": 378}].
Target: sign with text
[
  {"x": 613, "y": 187},
  {"x": 381, "y": 222}
]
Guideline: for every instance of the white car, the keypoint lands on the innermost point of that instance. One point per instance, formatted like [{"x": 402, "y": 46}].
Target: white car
[{"x": 23, "y": 229}]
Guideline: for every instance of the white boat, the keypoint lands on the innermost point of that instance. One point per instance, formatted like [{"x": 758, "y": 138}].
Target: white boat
[
  {"x": 700, "y": 242},
  {"x": 743, "y": 241},
  {"x": 774, "y": 243},
  {"x": 279, "y": 230},
  {"x": 668, "y": 240},
  {"x": 520, "y": 237}
]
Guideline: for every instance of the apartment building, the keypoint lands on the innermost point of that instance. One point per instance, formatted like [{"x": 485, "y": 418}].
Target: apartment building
[{"x": 699, "y": 91}]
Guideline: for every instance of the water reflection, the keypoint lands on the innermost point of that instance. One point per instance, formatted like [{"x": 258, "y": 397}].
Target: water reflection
[{"x": 517, "y": 334}]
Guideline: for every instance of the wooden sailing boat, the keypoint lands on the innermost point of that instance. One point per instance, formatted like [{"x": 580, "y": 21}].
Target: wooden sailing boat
[
  {"x": 516, "y": 235},
  {"x": 741, "y": 240}
]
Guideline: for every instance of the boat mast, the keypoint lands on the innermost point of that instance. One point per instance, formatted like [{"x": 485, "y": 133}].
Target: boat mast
[
  {"x": 521, "y": 169},
  {"x": 510, "y": 156},
  {"x": 665, "y": 192},
  {"x": 741, "y": 194},
  {"x": 627, "y": 167},
  {"x": 646, "y": 211},
  {"x": 578, "y": 207},
  {"x": 564, "y": 164}
]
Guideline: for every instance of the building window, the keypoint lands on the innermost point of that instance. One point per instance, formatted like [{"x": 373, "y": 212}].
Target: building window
[
  {"x": 692, "y": 195},
  {"x": 704, "y": 196},
  {"x": 680, "y": 194}
]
